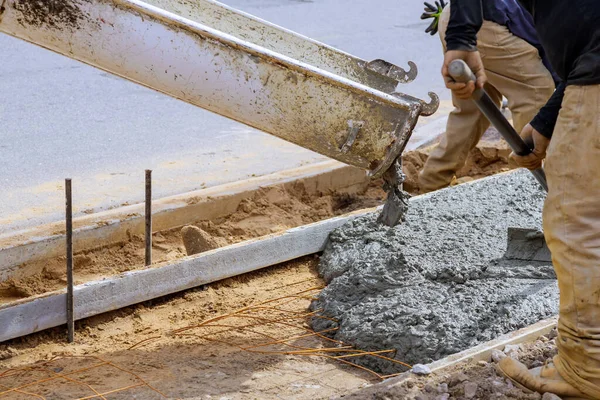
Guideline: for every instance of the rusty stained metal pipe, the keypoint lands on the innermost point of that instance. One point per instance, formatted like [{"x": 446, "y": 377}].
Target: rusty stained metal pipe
[
  {"x": 377, "y": 74},
  {"x": 329, "y": 102}
]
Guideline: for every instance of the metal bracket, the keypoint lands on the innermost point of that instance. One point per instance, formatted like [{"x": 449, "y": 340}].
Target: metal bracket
[
  {"x": 390, "y": 70},
  {"x": 426, "y": 108},
  {"x": 353, "y": 129}
]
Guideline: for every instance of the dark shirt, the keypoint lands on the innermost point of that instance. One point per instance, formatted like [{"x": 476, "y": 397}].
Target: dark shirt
[{"x": 569, "y": 31}]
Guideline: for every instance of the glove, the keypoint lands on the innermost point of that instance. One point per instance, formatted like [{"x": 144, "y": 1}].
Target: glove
[{"x": 433, "y": 12}]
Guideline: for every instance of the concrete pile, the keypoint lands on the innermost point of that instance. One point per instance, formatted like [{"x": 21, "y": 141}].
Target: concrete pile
[{"x": 438, "y": 283}]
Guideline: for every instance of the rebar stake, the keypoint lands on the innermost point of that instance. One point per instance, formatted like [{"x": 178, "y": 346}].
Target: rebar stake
[
  {"x": 148, "y": 217},
  {"x": 69, "y": 229}
]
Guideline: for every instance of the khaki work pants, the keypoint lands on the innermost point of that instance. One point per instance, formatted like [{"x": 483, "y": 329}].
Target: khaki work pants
[
  {"x": 572, "y": 230},
  {"x": 515, "y": 70}
]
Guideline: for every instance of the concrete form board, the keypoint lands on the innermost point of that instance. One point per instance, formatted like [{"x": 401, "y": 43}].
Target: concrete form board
[
  {"x": 480, "y": 352},
  {"x": 28, "y": 316},
  {"x": 113, "y": 226},
  {"x": 32, "y": 315}
]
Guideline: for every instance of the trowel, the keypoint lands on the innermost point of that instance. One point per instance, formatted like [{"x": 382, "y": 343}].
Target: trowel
[{"x": 522, "y": 244}]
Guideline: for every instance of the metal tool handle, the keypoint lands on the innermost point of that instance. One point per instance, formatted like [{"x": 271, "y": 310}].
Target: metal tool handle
[{"x": 460, "y": 72}]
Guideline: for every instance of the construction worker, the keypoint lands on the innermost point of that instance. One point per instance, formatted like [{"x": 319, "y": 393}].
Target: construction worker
[
  {"x": 566, "y": 133},
  {"x": 516, "y": 69}
]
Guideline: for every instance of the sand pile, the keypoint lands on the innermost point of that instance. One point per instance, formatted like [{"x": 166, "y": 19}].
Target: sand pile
[{"x": 438, "y": 283}]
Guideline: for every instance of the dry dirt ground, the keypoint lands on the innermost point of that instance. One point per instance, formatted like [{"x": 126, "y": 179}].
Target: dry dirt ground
[
  {"x": 489, "y": 157},
  {"x": 260, "y": 352},
  {"x": 193, "y": 346},
  {"x": 259, "y": 346},
  {"x": 269, "y": 211}
]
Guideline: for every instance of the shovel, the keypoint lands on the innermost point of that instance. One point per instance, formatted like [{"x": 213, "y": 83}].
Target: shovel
[
  {"x": 522, "y": 244},
  {"x": 460, "y": 72}
]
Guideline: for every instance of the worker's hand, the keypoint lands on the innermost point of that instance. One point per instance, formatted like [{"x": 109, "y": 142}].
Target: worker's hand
[
  {"x": 540, "y": 145},
  {"x": 434, "y": 12},
  {"x": 473, "y": 60}
]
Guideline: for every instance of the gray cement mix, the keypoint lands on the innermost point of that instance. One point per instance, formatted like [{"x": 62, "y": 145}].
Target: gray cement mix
[{"x": 438, "y": 283}]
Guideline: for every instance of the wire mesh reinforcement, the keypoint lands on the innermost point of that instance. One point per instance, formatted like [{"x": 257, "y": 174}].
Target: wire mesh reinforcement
[
  {"x": 90, "y": 377},
  {"x": 279, "y": 326}
]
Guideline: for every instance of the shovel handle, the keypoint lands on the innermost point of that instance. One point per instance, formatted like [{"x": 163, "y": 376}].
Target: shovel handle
[{"x": 460, "y": 72}]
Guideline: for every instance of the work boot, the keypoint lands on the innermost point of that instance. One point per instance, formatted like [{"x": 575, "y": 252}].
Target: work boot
[{"x": 542, "y": 379}]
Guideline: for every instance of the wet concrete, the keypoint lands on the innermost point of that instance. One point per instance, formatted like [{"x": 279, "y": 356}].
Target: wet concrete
[{"x": 438, "y": 283}]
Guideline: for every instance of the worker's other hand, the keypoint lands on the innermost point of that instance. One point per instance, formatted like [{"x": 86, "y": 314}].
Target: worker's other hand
[
  {"x": 473, "y": 60},
  {"x": 540, "y": 145}
]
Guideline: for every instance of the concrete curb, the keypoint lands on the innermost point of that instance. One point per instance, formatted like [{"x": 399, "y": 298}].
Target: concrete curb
[{"x": 113, "y": 226}]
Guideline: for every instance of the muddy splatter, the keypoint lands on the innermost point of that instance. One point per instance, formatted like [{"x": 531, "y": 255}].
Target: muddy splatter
[{"x": 51, "y": 13}]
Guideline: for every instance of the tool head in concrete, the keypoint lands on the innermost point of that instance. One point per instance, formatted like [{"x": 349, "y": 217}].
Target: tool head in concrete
[
  {"x": 396, "y": 203},
  {"x": 527, "y": 244},
  {"x": 438, "y": 283}
]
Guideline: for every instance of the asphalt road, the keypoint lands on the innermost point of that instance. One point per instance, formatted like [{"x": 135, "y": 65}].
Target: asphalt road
[{"x": 60, "y": 118}]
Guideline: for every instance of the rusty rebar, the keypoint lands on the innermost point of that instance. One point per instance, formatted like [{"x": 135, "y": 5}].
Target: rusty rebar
[
  {"x": 69, "y": 246},
  {"x": 148, "y": 217}
]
